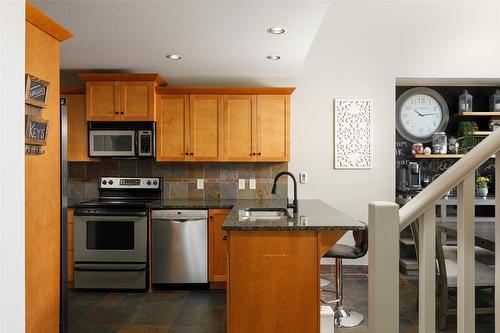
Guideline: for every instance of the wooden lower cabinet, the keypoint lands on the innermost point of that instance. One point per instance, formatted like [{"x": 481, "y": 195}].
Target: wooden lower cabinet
[
  {"x": 70, "y": 248},
  {"x": 217, "y": 245},
  {"x": 273, "y": 280}
]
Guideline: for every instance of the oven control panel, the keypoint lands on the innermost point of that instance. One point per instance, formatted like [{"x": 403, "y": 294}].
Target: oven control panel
[{"x": 129, "y": 182}]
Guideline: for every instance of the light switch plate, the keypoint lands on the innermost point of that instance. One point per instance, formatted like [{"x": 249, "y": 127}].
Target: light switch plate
[
  {"x": 199, "y": 184},
  {"x": 303, "y": 177},
  {"x": 252, "y": 184},
  {"x": 241, "y": 184}
]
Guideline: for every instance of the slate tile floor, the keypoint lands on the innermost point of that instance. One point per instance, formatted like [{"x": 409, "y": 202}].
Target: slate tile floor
[
  {"x": 157, "y": 312},
  {"x": 205, "y": 311}
]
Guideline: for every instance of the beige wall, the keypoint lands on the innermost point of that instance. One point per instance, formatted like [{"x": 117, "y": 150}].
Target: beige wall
[
  {"x": 359, "y": 51},
  {"x": 12, "y": 311}
]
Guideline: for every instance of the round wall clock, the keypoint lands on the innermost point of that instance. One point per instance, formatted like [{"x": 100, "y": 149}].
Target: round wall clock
[{"x": 420, "y": 112}]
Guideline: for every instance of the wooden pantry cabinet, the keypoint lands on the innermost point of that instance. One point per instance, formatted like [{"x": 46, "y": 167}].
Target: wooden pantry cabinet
[
  {"x": 121, "y": 97},
  {"x": 212, "y": 125},
  {"x": 77, "y": 126},
  {"x": 217, "y": 245}
]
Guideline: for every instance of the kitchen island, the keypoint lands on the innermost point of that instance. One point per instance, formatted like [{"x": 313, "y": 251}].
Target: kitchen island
[{"x": 274, "y": 265}]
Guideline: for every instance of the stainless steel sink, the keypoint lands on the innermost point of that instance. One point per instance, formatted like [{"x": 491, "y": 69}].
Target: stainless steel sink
[{"x": 264, "y": 214}]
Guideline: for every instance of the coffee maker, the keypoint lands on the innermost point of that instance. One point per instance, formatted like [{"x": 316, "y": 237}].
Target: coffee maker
[{"x": 413, "y": 175}]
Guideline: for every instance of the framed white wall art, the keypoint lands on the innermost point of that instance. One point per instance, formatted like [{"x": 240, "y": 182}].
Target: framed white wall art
[{"x": 353, "y": 134}]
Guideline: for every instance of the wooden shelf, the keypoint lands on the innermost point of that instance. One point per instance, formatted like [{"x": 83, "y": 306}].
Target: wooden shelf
[
  {"x": 477, "y": 114},
  {"x": 423, "y": 156},
  {"x": 482, "y": 133}
]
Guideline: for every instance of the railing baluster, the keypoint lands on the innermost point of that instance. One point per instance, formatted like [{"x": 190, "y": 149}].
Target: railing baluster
[
  {"x": 427, "y": 272},
  {"x": 466, "y": 266},
  {"x": 383, "y": 274},
  {"x": 497, "y": 241}
]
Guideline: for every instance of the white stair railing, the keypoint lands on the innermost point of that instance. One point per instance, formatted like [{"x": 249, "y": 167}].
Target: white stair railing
[{"x": 386, "y": 221}]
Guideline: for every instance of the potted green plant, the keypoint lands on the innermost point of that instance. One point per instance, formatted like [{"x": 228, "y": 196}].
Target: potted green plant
[
  {"x": 468, "y": 141},
  {"x": 482, "y": 186}
]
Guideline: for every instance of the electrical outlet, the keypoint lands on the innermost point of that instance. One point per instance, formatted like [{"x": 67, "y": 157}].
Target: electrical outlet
[
  {"x": 199, "y": 184},
  {"x": 303, "y": 220},
  {"x": 303, "y": 177},
  {"x": 252, "y": 184},
  {"x": 241, "y": 184}
]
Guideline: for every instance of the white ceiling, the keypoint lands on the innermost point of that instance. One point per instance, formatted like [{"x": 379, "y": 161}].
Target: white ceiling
[{"x": 215, "y": 38}]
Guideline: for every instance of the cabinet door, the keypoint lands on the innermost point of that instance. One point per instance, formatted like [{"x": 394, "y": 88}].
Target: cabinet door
[
  {"x": 172, "y": 128},
  {"x": 77, "y": 129},
  {"x": 239, "y": 128},
  {"x": 103, "y": 103},
  {"x": 273, "y": 128},
  {"x": 137, "y": 101},
  {"x": 217, "y": 244},
  {"x": 205, "y": 118}
]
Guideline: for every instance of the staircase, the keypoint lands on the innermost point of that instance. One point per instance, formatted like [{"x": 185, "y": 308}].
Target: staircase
[{"x": 386, "y": 221}]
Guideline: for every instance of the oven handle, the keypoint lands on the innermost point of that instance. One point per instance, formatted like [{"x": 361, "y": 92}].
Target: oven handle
[
  {"x": 97, "y": 212},
  {"x": 113, "y": 268}
]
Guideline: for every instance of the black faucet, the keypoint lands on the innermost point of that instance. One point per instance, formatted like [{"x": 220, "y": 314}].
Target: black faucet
[{"x": 295, "y": 204}]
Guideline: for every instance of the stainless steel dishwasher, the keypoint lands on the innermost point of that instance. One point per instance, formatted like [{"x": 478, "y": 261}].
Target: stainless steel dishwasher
[{"x": 180, "y": 250}]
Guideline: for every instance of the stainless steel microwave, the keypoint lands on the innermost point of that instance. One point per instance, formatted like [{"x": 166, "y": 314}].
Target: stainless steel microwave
[{"x": 122, "y": 139}]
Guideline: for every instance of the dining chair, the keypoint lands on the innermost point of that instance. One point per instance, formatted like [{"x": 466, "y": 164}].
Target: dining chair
[{"x": 447, "y": 274}]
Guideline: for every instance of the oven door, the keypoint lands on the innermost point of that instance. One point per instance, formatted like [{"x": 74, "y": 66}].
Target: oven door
[
  {"x": 110, "y": 238},
  {"x": 111, "y": 143}
]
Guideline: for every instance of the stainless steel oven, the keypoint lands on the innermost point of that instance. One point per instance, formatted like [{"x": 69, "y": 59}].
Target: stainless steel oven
[
  {"x": 111, "y": 234},
  {"x": 110, "y": 238},
  {"x": 110, "y": 248},
  {"x": 122, "y": 139}
]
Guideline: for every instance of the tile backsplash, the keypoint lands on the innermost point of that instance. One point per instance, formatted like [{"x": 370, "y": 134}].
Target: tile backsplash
[{"x": 220, "y": 179}]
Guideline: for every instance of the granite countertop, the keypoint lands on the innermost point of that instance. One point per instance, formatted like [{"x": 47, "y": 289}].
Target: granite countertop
[{"x": 312, "y": 215}]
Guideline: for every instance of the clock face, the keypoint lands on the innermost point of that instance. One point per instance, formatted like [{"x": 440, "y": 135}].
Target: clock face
[{"x": 420, "y": 113}]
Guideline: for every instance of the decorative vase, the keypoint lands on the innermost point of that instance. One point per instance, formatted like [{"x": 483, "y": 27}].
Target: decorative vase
[{"x": 482, "y": 192}]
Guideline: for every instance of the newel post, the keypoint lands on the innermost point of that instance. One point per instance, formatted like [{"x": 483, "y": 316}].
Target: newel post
[{"x": 383, "y": 269}]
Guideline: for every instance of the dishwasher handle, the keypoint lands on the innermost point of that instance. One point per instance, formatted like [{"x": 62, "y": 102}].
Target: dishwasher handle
[
  {"x": 180, "y": 214},
  {"x": 177, "y": 221}
]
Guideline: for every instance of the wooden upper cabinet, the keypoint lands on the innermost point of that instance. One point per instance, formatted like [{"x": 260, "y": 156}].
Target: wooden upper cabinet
[
  {"x": 103, "y": 102},
  {"x": 273, "y": 128},
  {"x": 121, "y": 97},
  {"x": 172, "y": 128},
  {"x": 77, "y": 128},
  {"x": 205, "y": 130},
  {"x": 239, "y": 128},
  {"x": 204, "y": 125},
  {"x": 137, "y": 100}
]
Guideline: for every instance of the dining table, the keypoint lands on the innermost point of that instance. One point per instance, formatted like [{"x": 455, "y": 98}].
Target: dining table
[{"x": 484, "y": 232}]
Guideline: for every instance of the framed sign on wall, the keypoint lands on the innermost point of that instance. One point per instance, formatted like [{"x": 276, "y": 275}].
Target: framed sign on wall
[
  {"x": 37, "y": 91},
  {"x": 36, "y": 131},
  {"x": 353, "y": 134}
]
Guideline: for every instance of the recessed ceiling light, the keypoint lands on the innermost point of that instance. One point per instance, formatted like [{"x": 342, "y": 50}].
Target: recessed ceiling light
[
  {"x": 276, "y": 30},
  {"x": 273, "y": 57},
  {"x": 174, "y": 56}
]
